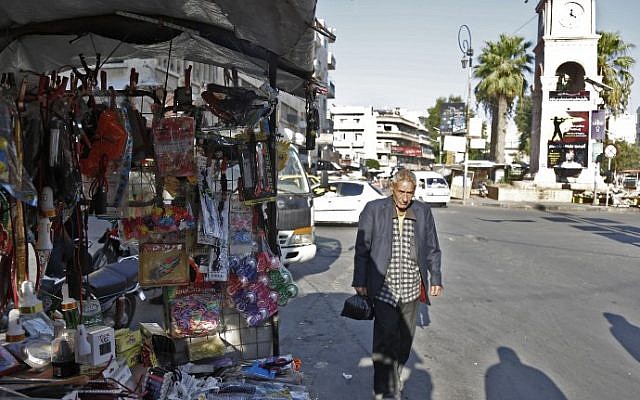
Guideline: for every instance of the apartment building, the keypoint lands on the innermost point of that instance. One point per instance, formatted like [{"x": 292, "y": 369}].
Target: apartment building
[{"x": 393, "y": 137}]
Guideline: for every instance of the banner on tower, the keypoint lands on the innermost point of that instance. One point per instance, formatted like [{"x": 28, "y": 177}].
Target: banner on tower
[
  {"x": 569, "y": 144},
  {"x": 597, "y": 124}
]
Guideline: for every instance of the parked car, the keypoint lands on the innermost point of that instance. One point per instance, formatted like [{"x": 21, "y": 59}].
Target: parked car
[
  {"x": 431, "y": 187},
  {"x": 343, "y": 201},
  {"x": 296, "y": 231}
]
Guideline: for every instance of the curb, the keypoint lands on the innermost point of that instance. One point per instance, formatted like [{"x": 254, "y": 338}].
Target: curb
[{"x": 475, "y": 202}]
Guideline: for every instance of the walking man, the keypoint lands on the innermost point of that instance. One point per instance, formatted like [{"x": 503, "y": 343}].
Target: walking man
[{"x": 396, "y": 255}]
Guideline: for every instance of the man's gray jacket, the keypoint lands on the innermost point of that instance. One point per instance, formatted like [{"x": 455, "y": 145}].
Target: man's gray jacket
[{"x": 373, "y": 245}]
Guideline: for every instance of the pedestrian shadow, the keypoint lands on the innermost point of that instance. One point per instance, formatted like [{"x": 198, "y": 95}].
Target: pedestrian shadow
[
  {"x": 511, "y": 379},
  {"x": 627, "y": 334},
  {"x": 418, "y": 383}
]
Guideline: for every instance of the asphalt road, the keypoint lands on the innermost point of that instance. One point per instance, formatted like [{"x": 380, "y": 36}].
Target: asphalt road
[{"x": 537, "y": 305}]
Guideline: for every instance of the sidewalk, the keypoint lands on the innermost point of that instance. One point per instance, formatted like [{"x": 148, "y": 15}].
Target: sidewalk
[{"x": 475, "y": 201}]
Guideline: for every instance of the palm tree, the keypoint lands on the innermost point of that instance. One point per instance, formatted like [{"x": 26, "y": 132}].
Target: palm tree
[
  {"x": 502, "y": 69},
  {"x": 614, "y": 66}
]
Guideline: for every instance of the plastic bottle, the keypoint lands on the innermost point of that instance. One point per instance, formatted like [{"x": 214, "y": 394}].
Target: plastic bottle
[
  {"x": 15, "y": 333},
  {"x": 69, "y": 308}
]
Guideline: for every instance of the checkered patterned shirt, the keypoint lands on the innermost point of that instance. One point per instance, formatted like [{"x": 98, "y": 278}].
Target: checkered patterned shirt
[{"x": 402, "y": 283}]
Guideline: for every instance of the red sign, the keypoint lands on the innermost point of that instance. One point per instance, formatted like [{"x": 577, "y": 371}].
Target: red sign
[{"x": 409, "y": 151}]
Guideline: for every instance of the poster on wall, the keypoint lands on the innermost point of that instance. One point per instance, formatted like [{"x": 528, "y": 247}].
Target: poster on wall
[{"x": 569, "y": 144}]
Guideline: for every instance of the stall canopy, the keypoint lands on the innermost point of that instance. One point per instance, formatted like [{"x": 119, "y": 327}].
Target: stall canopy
[{"x": 247, "y": 35}]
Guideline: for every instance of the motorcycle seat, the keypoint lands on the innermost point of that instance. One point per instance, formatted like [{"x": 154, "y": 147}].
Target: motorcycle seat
[
  {"x": 128, "y": 268},
  {"x": 114, "y": 278},
  {"x": 106, "y": 282}
]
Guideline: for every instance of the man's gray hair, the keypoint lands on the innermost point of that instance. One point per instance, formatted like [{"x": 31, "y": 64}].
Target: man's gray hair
[{"x": 404, "y": 175}]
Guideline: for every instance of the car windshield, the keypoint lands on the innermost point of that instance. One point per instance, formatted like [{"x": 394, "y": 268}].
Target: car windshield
[
  {"x": 292, "y": 178},
  {"x": 436, "y": 183}
]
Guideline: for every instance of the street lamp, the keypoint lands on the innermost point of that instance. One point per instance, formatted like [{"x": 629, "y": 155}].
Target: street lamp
[{"x": 464, "y": 42}]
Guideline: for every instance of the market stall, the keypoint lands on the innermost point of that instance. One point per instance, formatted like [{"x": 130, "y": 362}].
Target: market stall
[{"x": 191, "y": 181}]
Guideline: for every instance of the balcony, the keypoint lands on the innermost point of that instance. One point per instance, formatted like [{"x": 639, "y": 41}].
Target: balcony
[{"x": 331, "y": 61}]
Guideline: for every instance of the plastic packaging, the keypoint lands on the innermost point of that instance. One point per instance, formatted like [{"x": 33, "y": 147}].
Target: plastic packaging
[{"x": 32, "y": 316}]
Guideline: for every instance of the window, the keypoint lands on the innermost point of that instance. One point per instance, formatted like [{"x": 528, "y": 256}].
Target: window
[
  {"x": 350, "y": 189},
  {"x": 436, "y": 183}
]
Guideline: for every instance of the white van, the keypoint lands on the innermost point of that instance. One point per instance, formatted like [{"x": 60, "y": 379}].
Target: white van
[{"x": 431, "y": 187}]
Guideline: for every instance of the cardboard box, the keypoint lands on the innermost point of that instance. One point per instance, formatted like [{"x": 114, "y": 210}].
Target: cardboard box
[{"x": 126, "y": 339}]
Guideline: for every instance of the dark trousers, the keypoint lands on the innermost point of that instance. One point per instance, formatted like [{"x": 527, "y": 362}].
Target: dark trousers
[{"x": 393, "y": 330}]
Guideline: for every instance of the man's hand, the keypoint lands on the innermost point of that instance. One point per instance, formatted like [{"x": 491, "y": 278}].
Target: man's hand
[
  {"x": 361, "y": 290},
  {"x": 435, "y": 290}
]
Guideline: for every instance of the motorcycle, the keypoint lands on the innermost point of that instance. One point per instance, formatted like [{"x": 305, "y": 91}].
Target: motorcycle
[
  {"x": 114, "y": 285},
  {"x": 482, "y": 189},
  {"x": 112, "y": 248}
]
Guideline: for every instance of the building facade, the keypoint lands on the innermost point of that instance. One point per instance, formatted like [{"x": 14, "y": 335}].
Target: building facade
[{"x": 393, "y": 137}]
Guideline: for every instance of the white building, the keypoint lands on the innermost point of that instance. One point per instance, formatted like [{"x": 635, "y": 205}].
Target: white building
[
  {"x": 324, "y": 62},
  {"x": 392, "y": 137},
  {"x": 623, "y": 127},
  {"x": 354, "y": 133}
]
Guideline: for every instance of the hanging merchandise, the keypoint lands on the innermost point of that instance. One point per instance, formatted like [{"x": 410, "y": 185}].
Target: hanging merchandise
[
  {"x": 141, "y": 191},
  {"x": 6, "y": 244},
  {"x": 240, "y": 227},
  {"x": 168, "y": 219},
  {"x": 163, "y": 264},
  {"x": 13, "y": 176},
  {"x": 43, "y": 247},
  {"x": 236, "y": 106},
  {"x": 281, "y": 281},
  {"x": 257, "y": 183},
  {"x": 214, "y": 204},
  {"x": 108, "y": 144},
  {"x": 173, "y": 144},
  {"x": 193, "y": 310},
  {"x": 118, "y": 179}
]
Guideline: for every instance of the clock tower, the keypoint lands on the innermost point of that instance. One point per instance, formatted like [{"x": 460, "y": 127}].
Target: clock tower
[{"x": 566, "y": 116}]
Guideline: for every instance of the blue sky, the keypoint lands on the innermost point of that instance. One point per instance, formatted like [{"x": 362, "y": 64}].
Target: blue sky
[{"x": 404, "y": 53}]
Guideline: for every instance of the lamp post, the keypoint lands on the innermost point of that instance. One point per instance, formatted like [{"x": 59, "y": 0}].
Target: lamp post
[{"x": 464, "y": 42}]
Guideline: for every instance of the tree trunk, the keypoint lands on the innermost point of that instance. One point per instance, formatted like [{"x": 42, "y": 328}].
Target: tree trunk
[
  {"x": 494, "y": 132},
  {"x": 498, "y": 130}
]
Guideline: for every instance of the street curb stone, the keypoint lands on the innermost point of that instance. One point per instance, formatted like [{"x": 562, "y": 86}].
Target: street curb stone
[{"x": 542, "y": 206}]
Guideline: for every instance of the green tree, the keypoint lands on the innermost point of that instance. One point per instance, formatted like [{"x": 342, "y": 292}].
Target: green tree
[
  {"x": 501, "y": 71},
  {"x": 371, "y": 163},
  {"x": 614, "y": 65},
  {"x": 628, "y": 157},
  {"x": 523, "y": 123}
]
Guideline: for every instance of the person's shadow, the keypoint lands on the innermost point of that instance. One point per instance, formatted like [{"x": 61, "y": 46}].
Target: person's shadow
[
  {"x": 511, "y": 379},
  {"x": 626, "y": 333}
]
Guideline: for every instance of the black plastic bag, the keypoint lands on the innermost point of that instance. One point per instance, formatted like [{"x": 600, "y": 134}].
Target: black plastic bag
[{"x": 357, "y": 307}]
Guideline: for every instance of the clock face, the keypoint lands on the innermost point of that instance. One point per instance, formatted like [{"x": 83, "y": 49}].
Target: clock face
[{"x": 571, "y": 14}]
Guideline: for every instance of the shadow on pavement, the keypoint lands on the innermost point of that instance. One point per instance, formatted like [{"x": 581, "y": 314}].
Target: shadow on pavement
[
  {"x": 626, "y": 333},
  {"x": 336, "y": 351},
  {"x": 511, "y": 379},
  {"x": 328, "y": 250}
]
